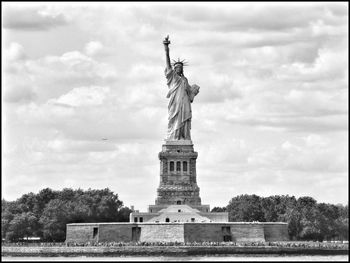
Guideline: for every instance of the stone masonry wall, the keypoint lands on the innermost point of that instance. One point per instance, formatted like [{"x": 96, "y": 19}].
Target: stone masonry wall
[
  {"x": 252, "y": 232},
  {"x": 276, "y": 231},
  {"x": 162, "y": 232},
  {"x": 80, "y": 233},
  {"x": 115, "y": 232},
  {"x": 180, "y": 232},
  {"x": 203, "y": 232},
  {"x": 214, "y": 232}
]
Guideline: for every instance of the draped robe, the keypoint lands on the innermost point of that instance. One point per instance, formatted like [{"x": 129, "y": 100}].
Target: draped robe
[{"x": 180, "y": 96}]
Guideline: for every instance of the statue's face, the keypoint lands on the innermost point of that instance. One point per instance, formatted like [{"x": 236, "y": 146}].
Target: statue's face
[{"x": 179, "y": 69}]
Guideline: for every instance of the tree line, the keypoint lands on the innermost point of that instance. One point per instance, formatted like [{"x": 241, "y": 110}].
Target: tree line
[
  {"x": 46, "y": 214},
  {"x": 307, "y": 219}
]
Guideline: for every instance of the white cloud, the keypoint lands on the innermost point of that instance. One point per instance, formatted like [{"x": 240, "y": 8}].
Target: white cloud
[
  {"x": 83, "y": 96},
  {"x": 51, "y": 76},
  {"x": 316, "y": 140},
  {"x": 14, "y": 52},
  {"x": 70, "y": 146},
  {"x": 30, "y": 17},
  {"x": 314, "y": 153},
  {"x": 93, "y": 47}
]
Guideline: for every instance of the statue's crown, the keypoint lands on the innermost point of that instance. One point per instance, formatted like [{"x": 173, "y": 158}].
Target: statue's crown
[{"x": 179, "y": 62}]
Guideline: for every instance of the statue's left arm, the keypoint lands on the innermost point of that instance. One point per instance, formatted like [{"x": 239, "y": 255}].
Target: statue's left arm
[{"x": 193, "y": 91}]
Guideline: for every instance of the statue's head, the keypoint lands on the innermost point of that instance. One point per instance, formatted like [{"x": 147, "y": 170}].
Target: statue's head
[
  {"x": 178, "y": 69},
  {"x": 179, "y": 65}
]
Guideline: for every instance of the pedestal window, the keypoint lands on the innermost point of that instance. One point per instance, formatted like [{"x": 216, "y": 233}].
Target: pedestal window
[
  {"x": 184, "y": 166},
  {"x": 178, "y": 166}
]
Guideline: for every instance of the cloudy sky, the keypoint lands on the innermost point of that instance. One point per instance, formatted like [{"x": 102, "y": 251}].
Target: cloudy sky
[{"x": 271, "y": 117}]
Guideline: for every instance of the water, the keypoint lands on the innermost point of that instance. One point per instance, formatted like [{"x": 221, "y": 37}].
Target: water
[{"x": 189, "y": 258}]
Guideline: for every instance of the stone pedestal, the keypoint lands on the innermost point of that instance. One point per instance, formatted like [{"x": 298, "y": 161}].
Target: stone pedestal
[{"x": 178, "y": 178}]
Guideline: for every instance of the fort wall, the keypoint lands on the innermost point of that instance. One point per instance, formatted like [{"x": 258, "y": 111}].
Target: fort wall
[
  {"x": 276, "y": 231},
  {"x": 162, "y": 232},
  {"x": 80, "y": 232},
  {"x": 115, "y": 232},
  {"x": 177, "y": 232}
]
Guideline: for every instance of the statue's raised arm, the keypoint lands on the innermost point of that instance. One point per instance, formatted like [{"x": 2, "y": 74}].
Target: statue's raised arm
[{"x": 166, "y": 43}]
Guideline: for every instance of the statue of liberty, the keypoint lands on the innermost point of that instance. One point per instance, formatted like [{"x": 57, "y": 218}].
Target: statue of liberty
[{"x": 180, "y": 95}]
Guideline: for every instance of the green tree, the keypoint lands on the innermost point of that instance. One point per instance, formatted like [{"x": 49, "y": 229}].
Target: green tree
[
  {"x": 269, "y": 208},
  {"x": 42, "y": 198},
  {"x": 342, "y": 223},
  {"x": 246, "y": 208},
  {"x": 86, "y": 206},
  {"x": 327, "y": 220},
  {"x": 22, "y": 226},
  {"x": 54, "y": 219},
  {"x": 27, "y": 202},
  {"x": 68, "y": 194},
  {"x": 293, "y": 218},
  {"x": 282, "y": 208},
  {"x": 282, "y": 204},
  {"x": 9, "y": 209},
  {"x": 123, "y": 214},
  {"x": 218, "y": 209},
  {"x": 46, "y": 214},
  {"x": 309, "y": 219},
  {"x": 103, "y": 204}
]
